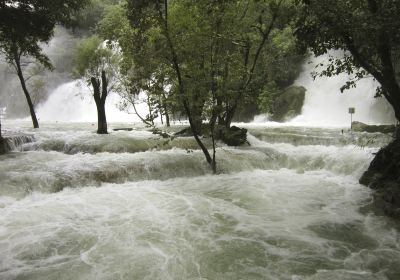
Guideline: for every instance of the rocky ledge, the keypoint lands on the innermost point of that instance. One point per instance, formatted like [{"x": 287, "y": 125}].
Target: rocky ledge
[
  {"x": 12, "y": 141},
  {"x": 362, "y": 127},
  {"x": 383, "y": 175}
]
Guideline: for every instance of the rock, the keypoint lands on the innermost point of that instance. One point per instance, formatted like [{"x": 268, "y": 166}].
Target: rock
[
  {"x": 160, "y": 132},
  {"x": 123, "y": 129},
  {"x": 2, "y": 146},
  {"x": 288, "y": 104},
  {"x": 383, "y": 175},
  {"x": 233, "y": 136},
  {"x": 362, "y": 127}
]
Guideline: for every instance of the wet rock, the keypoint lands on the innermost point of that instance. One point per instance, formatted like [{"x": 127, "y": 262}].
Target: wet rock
[
  {"x": 123, "y": 129},
  {"x": 383, "y": 175},
  {"x": 163, "y": 134},
  {"x": 233, "y": 136},
  {"x": 362, "y": 127},
  {"x": 289, "y": 104},
  {"x": 2, "y": 146}
]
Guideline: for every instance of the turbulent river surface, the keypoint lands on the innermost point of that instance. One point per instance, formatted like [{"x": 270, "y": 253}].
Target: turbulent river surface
[{"x": 129, "y": 205}]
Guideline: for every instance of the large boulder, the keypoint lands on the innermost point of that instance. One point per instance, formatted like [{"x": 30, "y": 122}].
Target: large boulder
[
  {"x": 288, "y": 104},
  {"x": 362, "y": 127},
  {"x": 383, "y": 175},
  {"x": 233, "y": 136}
]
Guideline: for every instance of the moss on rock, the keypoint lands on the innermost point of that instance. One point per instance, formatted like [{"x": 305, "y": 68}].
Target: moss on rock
[{"x": 288, "y": 104}]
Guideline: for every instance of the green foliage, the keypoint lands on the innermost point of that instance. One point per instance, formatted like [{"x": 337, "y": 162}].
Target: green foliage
[
  {"x": 266, "y": 98},
  {"x": 89, "y": 17},
  {"x": 23, "y": 24},
  {"x": 227, "y": 51},
  {"x": 92, "y": 56}
]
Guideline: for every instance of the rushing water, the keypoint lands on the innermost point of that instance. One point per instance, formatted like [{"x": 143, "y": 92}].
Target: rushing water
[
  {"x": 76, "y": 205},
  {"x": 326, "y": 105}
]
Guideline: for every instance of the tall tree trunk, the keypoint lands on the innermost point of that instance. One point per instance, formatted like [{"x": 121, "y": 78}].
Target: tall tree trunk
[
  {"x": 167, "y": 121},
  {"x": 181, "y": 87},
  {"x": 101, "y": 118},
  {"x": 25, "y": 90},
  {"x": 100, "y": 95}
]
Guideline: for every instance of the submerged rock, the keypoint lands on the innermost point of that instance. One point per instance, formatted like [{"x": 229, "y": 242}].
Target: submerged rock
[
  {"x": 289, "y": 104},
  {"x": 362, "y": 127},
  {"x": 383, "y": 175}
]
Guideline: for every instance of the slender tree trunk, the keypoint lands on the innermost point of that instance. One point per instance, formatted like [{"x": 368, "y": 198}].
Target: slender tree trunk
[
  {"x": 167, "y": 121},
  {"x": 25, "y": 90},
  {"x": 181, "y": 87},
  {"x": 164, "y": 105}
]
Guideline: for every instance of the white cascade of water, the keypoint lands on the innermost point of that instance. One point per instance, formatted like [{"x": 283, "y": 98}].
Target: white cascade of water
[
  {"x": 325, "y": 105},
  {"x": 73, "y": 102}
]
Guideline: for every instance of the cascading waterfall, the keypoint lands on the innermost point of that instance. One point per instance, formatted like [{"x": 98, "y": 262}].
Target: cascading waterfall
[
  {"x": 325, "y": 105},
  {"x": 73, "y": 102}
]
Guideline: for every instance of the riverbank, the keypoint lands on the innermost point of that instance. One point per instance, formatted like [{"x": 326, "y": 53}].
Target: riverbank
[{"x": 383, "y": 175}]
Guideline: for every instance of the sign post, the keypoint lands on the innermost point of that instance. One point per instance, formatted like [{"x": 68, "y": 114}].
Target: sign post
[{"x": 352, "y": 110}]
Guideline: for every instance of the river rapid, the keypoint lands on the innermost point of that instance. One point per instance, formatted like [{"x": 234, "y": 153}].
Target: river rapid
[{"x": 130, "y": 205}]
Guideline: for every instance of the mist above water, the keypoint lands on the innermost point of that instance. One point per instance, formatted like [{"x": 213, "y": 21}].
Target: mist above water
[
  {"x": 325, "y": 105},
  {"x": 73, "y": 102}
]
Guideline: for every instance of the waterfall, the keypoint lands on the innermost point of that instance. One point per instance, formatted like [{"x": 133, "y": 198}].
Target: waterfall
[
  {"x": 73, "y": 102},
  {"x": 325, "y": 105}
]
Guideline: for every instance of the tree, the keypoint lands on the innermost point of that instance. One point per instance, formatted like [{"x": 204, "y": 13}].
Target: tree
[
  {"x": 97, "y": 64},
  {"x": 213, "y": 53},
  {"x": 26, "y": 24},
  {"x": 366, "y": 30}
]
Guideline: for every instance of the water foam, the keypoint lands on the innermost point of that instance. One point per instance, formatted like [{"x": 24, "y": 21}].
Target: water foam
[{"x": 250, "y": 225}]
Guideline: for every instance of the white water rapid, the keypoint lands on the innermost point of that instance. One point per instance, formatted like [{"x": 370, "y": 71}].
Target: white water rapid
[
  {"x": 325, "y": 105},
  {"x": 129, "y": 205}
]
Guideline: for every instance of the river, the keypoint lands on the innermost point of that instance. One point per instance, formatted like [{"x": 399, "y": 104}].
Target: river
[{"x": 76, "y": 205}]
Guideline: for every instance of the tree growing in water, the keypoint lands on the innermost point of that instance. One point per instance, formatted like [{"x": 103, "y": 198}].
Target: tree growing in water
[
  {"x": 213, "y": 53},
  {"x": 26, "y": 24},
  {"x": 97, "y": 64}
]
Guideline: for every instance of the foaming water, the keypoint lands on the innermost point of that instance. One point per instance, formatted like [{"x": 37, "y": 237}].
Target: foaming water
[
  {"x": 325, "y": 105},
  {"x": 253, "y": 225},
  {"x": 129, "y": 205}
]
